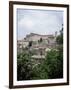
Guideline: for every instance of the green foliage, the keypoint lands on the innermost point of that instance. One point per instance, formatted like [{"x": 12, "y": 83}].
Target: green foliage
[
  {"x": 39, "y": 72},
  {"x": 24, "y": 67},
  {"x": 54, "y": 64},
  {"x": 30, "y": 43},
  {"x": 54, "y": 59},
  {"x": 40, "y": 40},
  {"x": 59, "y": 38}
]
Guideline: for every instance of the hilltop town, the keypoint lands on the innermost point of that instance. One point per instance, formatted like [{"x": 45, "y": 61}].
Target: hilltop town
[
  {"x": 41, "y": 54},
  {"x": 36, "y": 44}
]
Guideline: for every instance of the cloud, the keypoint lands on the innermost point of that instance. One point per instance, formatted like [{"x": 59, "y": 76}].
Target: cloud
[
  {"x": 38, "y": 21},
  {"x": 26, "y": 23}
]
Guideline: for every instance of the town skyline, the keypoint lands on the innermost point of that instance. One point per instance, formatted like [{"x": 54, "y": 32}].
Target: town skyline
[{"x": 30, "y": 34}]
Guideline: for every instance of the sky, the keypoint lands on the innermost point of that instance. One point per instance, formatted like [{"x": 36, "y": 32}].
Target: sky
[{"x": 44, "y": 22}]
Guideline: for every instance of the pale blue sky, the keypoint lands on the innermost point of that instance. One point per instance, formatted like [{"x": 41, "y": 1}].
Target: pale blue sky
[{"x": 38, "y": 21}]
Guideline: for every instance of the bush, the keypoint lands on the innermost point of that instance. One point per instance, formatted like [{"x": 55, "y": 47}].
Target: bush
[
  {"x": 39, "y": 72},
  {"x": 54, "y": 64},
  {"x": 24, "y": 66}
]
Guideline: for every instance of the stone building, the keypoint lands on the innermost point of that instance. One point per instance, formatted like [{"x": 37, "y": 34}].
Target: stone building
[
  {"x": 36, "y": 37},
  {"x": 36, "y": 44},
  {"x": 40, "y": 43}
]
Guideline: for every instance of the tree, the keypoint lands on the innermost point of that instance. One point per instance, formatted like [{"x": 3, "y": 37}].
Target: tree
[
  {"x": 24, "y": 67},
  {"x": 30, "y": 43},
  {"x": 40, "y": 40},
  {"x": 59, "y": 38},
  {"x": 53, "y": 64},
  {"x": 39, "y": 72}
]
